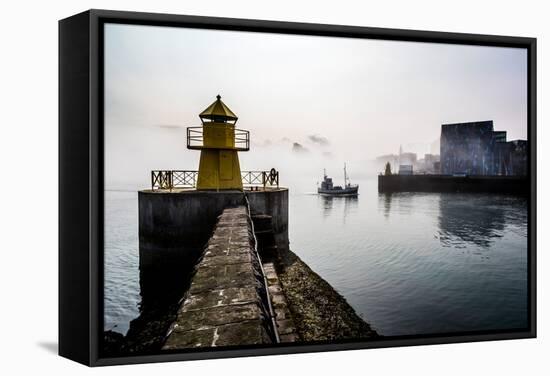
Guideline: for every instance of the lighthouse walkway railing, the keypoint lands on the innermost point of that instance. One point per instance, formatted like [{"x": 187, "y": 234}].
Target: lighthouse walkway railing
[
  {"x": 195, "y": 139},
  {"x": 181, "y": 179}
]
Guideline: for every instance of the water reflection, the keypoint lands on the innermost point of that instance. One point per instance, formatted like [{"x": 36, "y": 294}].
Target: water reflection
[
  {"x": 404, "y": 203},
  {"x": 384, "y": 201},
  {"x": 462, "y": 219},
  {"x": 400, "y": 259},
  {"x": 331, "y": 203},
  {"x": 476, "y": 219}
]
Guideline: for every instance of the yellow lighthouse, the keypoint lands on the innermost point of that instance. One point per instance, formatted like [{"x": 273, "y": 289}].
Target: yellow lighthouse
[{"x": 219, "y": 141}]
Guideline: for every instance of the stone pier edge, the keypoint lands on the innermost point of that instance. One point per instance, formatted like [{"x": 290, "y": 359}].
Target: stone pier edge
[{"x": 268, "y": 295}]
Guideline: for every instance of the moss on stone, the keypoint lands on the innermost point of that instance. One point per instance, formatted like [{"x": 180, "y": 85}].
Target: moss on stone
[{"x": 320, "y": 313}]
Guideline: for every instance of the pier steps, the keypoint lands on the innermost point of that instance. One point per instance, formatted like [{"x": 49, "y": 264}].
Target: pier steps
[
  {"x": 283, "y": 318},
  {"x": 267, "y": 247}
]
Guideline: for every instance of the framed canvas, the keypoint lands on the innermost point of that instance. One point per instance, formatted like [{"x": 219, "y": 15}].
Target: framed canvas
[{"x": 234, "y": 187}]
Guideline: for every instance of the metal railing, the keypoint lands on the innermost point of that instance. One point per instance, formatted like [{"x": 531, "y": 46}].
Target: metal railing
[
  {"x": 195, "y": 139},
  {"x": 170, "y": 179},
  {"x": 260, "y": 178},
  {"x": 271, "y": 311}
]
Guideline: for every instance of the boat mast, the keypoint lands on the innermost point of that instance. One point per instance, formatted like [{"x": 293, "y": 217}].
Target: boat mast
[{"x": 345, "y": 176}]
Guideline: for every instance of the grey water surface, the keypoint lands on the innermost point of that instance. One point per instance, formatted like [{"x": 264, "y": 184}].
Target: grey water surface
[{"x": 408, "y": 263}]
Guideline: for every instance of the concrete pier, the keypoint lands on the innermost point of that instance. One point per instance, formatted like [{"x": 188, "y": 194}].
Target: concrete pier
[
  {"x": 449, "y": 183},
  {"x": 203, "y": 283},
  {"x": 175, "y": 225},
  {"x": 226, "y": 296},
  {"x": 183, "y": 220},
  {"x": 226, "y": 304}
]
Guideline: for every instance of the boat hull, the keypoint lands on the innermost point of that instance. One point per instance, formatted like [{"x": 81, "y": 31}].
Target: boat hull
[{"x": 338, "y": 192}]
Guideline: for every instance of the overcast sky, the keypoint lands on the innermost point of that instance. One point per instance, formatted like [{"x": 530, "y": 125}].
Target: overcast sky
[{"x": 340, "y": 99}]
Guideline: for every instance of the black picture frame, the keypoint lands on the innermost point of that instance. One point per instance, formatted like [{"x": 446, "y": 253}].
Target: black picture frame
[{"x": 81, "y": 179}]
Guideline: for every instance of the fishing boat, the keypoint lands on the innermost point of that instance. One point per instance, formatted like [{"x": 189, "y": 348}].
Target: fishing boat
[{"x": 328, "y": 188}]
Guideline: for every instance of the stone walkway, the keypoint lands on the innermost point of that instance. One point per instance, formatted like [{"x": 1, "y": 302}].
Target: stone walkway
[{"x": 224, "y": 305}]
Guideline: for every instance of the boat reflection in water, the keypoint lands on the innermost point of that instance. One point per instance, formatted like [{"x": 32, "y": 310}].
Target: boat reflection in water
[{"x": 331, "y": 204}]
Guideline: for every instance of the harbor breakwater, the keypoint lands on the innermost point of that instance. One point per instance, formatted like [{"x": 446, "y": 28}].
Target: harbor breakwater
[
  {"x": 182, "y": 306},
  {"x": 228, "y": 303},
  {"x": 450, "y": 183}
]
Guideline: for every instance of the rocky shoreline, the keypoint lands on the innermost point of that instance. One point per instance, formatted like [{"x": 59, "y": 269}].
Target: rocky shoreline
[
  {"x": 319, "y": 312},
  {"x": 146, "y": 335}
]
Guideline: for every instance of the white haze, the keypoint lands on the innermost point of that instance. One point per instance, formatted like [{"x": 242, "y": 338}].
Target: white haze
[{"x": 342, "y": 100}]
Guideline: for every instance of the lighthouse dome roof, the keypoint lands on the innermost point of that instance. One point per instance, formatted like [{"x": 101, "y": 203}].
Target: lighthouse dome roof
[{"x": 218, "y": 109}]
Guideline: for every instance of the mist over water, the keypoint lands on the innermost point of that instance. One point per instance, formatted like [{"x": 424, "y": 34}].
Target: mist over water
[{"x": 408, "y": 263}]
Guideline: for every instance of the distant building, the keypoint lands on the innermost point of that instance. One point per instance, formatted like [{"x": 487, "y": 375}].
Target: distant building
[
  {"x": 429, "y": 163},
  {"x": 500, "y": 136},
  {"x": 437, "y": 167},
  {"x": 426, "y": 165},
  {"x": 518, "y": 158},
  {"x": 467, "y": 148},
  {"x": 512, "y": 157},
  {"x": 435, "y": 146},
  {"x": 407, "y": 158},
  {"x": 405, "y": 169},
  {"x": 476, "y": 149}
]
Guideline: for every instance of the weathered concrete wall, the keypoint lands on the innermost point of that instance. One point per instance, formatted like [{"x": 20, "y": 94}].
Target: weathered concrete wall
[
  {"x": 275, "y": 204},
  {"x": 173, "y": 228},
  {"x": 176, "y": 225},
  {"x": 448, "y": 183},
  {"x": 227, "y": 302}
]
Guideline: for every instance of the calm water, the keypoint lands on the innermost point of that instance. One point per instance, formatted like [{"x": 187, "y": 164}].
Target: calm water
[
  {"x": 409, "y": 263},
  {"x": 121, "y": 287}
]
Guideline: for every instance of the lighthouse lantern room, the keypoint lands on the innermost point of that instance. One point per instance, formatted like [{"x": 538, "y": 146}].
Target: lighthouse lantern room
[{"x": 219, "y": 142}]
